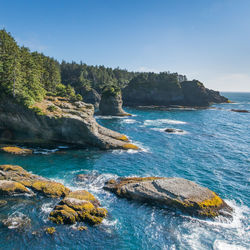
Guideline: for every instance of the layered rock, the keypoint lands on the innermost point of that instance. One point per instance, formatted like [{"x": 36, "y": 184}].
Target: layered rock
[
  {"x": 111, "y": 102},
  {"x": 76, "y": 206},
  {"x": 53, "y": 121},
  {"x": 144, "y": 92},
  {"x": 171, "y": 192}
]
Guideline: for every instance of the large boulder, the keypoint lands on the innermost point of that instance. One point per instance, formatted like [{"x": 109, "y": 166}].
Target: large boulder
[
  {"x": 111, "y": 102},
  {"x": 55, "y": 120},
  {"x": 171, "y": 192}
]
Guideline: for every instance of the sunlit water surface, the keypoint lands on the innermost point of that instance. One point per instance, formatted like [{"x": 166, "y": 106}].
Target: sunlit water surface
[{"x": 213, "y": 150}]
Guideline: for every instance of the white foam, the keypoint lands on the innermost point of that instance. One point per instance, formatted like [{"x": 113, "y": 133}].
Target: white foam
[
  {"x": 109, "y": 117},
  {"x": 222, "y": 245},
  {"x": 129, "y": 121},
  {"x": 158, "y": 122},
  {"x": 45, "y": 151},
  {"x": 47, "y": 207}
]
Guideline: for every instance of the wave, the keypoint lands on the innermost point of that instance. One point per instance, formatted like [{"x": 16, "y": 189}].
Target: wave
[
  {"x": 158, "y": 122},
  {"x": 129, "y": 121}
]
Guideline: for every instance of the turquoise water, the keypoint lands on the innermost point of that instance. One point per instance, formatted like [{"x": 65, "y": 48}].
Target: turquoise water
[{"x": 214, "y": 151}]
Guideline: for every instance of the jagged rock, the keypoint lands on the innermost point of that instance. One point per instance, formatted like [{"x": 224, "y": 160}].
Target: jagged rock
[
  {"x": 16, "y": 179},
  {"x": 75, "y": 206},
  {"x": 16, "y": 150},
  {"x": 111, "y": 102},
  {"x": 159, "y": 92},
  {"x": 173, "y": 130},
  {"x": 240, "y": 110},
  {"x": 78, "y": 206},
  {"x": 74, "y": 125},
  {"x": 172, "y": 192}
]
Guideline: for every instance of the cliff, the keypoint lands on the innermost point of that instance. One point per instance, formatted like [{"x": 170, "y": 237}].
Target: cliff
[
  {"x": 165, "y": 92},
  {"x": 111, "y": 102},
  {"x": 56, "y": 120}
]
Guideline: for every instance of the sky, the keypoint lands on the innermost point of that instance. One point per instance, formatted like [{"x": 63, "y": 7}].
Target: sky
[{"x": 208, "y": 40}]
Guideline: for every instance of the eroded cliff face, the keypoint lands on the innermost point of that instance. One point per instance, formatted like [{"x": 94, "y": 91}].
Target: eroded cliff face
[
  {"x": 55, "y": 120},
  {"x": 112, "y": 105},
  {"x": 187, "y": 93}
]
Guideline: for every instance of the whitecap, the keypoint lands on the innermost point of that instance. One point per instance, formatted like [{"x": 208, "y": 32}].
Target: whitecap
[
  {"x": 47, "y": 207},
  {"x": 158, "y": 122},
  {"x": 222, "y": 245},
  {"x": 129, "y": 121}
]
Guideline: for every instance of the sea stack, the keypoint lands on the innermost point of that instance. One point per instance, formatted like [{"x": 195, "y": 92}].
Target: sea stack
[{"x": 111, "y": 102}]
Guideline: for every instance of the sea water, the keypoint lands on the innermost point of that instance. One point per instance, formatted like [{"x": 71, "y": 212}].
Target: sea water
[{"x": 213, "y": 150}]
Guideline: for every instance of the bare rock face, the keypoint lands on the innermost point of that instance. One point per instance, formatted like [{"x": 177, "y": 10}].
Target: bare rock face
[
  {"x": 111, "y": 102},
  {"x": 172, "y": 192},
  {"x": 166, "y": 92},
  {"x": 90, "y": 95},
  {"x": 56, "y": 120}
]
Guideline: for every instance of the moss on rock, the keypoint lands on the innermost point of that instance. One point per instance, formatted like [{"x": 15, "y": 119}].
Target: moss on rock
[
  {"x": 12, "y": 187},
  {"x": 16, "y": 150}
]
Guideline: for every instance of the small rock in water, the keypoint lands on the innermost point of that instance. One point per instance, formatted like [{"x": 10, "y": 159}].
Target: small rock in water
[
  {"x": 173, "y": 130},
  {"x": 16, "y": 150},
  {"x": 3, "y": 203},
  {"x": 50, "y": 230},
  {"x": 82, "y": 228},
  {"x": 240, "y": 110}
]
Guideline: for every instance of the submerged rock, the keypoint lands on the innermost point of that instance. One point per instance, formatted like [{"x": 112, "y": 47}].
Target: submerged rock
[
  {"x": 240, "y": 110},
  {"x": 3, "y": 203},
  {"x": 16, "y": 150},
  {"x": 173, "y": 130},
  {"x": 70, "y": 123},
  {"x": 111, "y": 102},
  {"x": 17, "y": 221},
  {"x": 172, "y": 192},
  {"x": 50, "y": 230}
]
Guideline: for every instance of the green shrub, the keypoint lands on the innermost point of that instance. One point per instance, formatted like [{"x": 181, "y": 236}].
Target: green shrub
[
  {"x": 52, "y": 108},
  {"x": 37, "y": 110}
]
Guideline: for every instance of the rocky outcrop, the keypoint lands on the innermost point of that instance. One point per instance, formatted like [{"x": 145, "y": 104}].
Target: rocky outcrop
[
  {"x": 144, "y": 92},
  {"x": 173, "y": 130},
  {"x": 76, "y": 206},
  {"x": 111, "y": 102},
  {"x": 66, "y": 122},
  {"x": 171, "y": 192},
  {"x": 89, "y": 95},
  {"x": 240, "y": 110},
  {"x": 16, "y": 150}
]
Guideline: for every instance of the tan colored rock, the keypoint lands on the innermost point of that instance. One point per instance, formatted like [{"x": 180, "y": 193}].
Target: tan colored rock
[
  {"x": 16, "y": 150},
  {"x": 12, "y": 187},
  {"x": 172, "y": 192}
]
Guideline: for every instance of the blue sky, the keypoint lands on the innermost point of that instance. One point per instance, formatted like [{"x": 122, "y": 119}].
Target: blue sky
[{"x": 207, "y": 40}]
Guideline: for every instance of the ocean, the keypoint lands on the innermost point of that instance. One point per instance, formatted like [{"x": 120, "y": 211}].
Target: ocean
[{"x": 213, "y": 150}]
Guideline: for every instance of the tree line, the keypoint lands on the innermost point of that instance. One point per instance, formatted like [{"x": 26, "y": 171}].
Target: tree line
[{"x": 30, "y": 76}]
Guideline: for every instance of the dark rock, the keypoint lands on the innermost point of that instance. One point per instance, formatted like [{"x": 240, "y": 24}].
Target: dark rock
[
  {"x": 111, "y": 103},
  {"x": 240, "y": 110},
  {"x": 173, "y": 130},
  {"x": 172, "y": 192},
  {"x": 89, "y": 95},
  {"x": 145, "y": 92}
]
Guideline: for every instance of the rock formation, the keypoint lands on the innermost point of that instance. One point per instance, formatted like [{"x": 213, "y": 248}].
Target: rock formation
[
  {"x": 172, "y": 192},
  {"x": 66, "y": 122},
  {"x": 111, "y": 102},
  {"x": 165, "y": 93},
  {"x": 75, "y": 206},
  {"x": 89, "y": 95}
]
